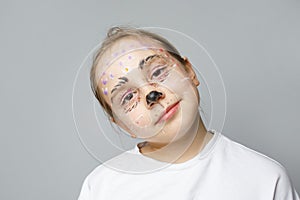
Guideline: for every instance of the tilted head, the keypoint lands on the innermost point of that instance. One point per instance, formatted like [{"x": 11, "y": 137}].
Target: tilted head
[{"x": 144, "y": 85}]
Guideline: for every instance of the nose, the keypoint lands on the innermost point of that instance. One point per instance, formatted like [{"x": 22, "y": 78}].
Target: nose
[{"x": 153, "y": 97}]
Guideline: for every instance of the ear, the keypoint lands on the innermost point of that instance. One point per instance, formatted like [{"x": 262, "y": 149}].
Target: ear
[{"x": 189, "y": 69}]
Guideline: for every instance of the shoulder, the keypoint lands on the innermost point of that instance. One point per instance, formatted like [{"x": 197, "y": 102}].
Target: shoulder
[
  {"x": 245, "y": 159},
  {"x": 106, "y": 171},
  {"x": 95, "y": 179},
  {"x": 249, "y": 164},
  {"x": 97, "y": 175},
  {"x": 118, "y": 165}
]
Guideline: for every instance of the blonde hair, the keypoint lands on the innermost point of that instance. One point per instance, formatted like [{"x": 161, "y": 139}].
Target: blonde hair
[{"x": 113, "y": 35}]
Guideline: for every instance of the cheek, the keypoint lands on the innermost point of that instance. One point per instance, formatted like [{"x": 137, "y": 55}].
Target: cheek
[{"x": 140, "y": 117}]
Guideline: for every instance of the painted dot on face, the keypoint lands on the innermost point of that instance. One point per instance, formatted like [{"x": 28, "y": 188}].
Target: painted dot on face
[
  {"x": 115, "y": 54},
  {"x": 121, "y": 64},
  {"x": 126, "y": 69},
  {"x": 111, "y": 76},
  {"x": 105, "y": 91},
  {"x": 129, "y": 57},
  {"x": 104, "y": 82}
]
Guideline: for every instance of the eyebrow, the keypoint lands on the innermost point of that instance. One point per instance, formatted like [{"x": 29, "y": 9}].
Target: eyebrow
[
  {"x": 122, "y": 81},
  {"x": 142, "y": 62}
]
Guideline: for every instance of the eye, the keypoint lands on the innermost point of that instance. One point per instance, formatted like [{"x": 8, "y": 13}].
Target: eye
[
  {"x": 127, "y": 97},
  {"x": 158, "y": 72}
]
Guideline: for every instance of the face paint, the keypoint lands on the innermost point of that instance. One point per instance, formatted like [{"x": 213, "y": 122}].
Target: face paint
[
  {"x": 111, "y": 75},
  {"x": 105, "y": 91},
  {"x": 156, "y": 71},
  {"x": 104, "y": 81},
  {"x": 142, "y": 120},
  {"x": 135, "y": 74},
  {"x": 123, "y": 47},
  {"x": 124, "y": 69}
]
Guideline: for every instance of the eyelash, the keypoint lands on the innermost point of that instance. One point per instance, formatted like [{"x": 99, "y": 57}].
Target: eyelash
[
  {"x": 162, "y": 72},
  {"x": 131, "y": 104},
  {"x": 131, "y": 108},
  {"x": 130, "y": 91}
]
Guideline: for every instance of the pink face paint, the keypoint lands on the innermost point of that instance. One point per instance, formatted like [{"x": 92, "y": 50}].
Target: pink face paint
[{"x": 142, "y": 121}]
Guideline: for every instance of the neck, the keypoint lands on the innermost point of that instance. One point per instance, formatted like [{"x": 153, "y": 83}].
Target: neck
[{"x": 182, "y": 149}]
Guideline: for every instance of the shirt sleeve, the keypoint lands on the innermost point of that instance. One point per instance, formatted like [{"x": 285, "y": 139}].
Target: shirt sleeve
[
  {"x": 284, "y": 189},
  {"x": 85, "y": 190}
]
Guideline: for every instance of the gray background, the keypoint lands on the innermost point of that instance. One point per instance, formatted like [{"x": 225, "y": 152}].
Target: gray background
[{"x": 254, "y": 43}]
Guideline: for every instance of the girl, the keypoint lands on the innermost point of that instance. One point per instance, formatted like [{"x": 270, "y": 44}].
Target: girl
[{"x": 150, "y": 91}]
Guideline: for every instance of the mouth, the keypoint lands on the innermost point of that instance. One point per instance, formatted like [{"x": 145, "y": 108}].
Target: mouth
[{"x": 168, "y": 113}]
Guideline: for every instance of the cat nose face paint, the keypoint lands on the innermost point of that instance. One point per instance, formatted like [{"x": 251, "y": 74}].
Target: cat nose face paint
[
  {"x": 153, "y": 97},
  {"x": 149, "y": 92}
]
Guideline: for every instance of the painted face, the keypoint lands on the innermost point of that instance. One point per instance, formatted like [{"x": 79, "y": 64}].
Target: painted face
[{"x": 151, "y": 94}]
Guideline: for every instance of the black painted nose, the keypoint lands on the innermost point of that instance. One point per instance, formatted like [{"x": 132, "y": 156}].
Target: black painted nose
[{"x": 153, "y": 97}]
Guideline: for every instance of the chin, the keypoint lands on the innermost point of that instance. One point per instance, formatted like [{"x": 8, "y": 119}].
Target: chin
[{"x": 184, "y": 121}]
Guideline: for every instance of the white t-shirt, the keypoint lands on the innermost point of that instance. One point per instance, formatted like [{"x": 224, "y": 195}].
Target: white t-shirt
[{"x": 224, "y": 169}]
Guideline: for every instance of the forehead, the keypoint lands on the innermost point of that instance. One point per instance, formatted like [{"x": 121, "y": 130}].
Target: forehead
[
  {"x": 125, "y": 54},
  {"x": 124, "y": 46},
  {"x": 127, "y": 62}
]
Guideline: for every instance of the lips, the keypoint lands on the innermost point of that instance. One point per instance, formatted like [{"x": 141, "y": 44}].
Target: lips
[{"x": 169, "y": 112}]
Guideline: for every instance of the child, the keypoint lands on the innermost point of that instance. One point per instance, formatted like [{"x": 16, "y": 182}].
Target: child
[{"x": 150, "y": 91}]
